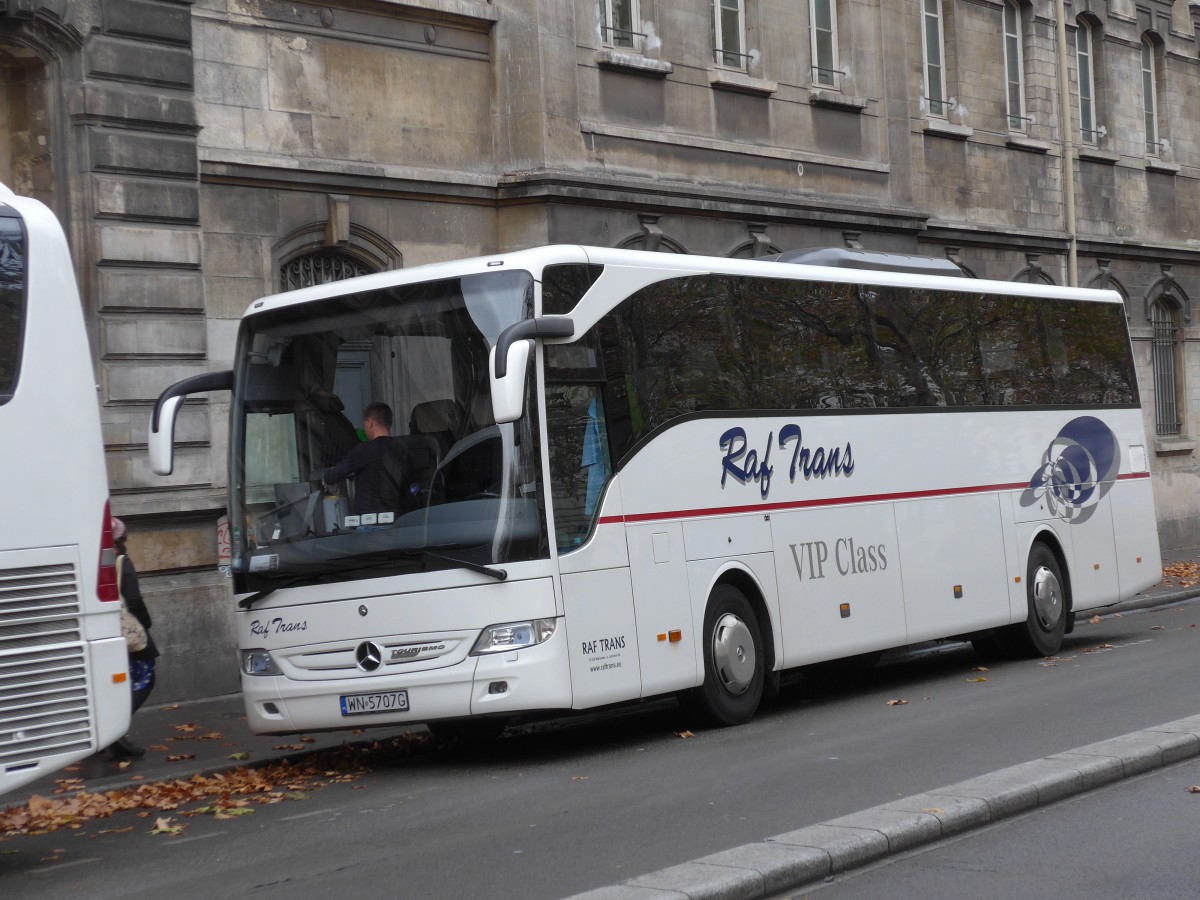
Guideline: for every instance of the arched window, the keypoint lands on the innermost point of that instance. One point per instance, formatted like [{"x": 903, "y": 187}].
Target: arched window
[
  {"x": 337, "y": 248},
  {"x": 1014, "y": 67},
  {"x": 1164, "y": 319}
]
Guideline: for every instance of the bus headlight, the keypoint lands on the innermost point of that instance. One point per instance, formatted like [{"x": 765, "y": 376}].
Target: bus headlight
[
  {"x": 259, "y": 662},
  {"x": 514, "y": 636}
]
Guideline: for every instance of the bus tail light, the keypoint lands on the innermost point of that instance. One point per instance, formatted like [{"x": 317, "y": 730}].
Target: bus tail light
[
  {"x": 514, "y": 636},
  {"x": 106, "y": 578}
]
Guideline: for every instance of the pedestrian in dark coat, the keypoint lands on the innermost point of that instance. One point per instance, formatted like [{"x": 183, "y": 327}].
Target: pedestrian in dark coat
[{"x": 141, "y": 662}]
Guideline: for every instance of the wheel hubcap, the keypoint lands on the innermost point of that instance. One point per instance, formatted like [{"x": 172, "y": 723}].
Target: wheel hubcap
[
  {"x": 1047, "y": 597},
  {"x": 733, "y": 653}
]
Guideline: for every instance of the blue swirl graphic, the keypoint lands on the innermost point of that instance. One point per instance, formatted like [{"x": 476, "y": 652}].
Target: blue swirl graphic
[{"x": 1077, "y": 470}]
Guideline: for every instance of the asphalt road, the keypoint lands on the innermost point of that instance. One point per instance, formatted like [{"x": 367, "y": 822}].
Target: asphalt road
[{"x": 561, "y": 810}]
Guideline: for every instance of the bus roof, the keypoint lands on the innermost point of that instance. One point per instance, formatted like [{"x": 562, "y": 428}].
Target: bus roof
[{"x": 858, "y": 270}]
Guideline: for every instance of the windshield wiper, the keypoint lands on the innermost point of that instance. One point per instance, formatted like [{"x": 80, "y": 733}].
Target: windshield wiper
[
  {"x": 247, "y": 602},
  {"x": 490, "y": 571}
]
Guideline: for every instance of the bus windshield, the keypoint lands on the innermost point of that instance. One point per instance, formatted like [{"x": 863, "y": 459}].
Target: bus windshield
[{"x": 320, "y": 494}]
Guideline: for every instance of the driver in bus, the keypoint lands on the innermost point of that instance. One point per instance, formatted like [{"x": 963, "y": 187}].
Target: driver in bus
[{"x": 380, "y": 466}]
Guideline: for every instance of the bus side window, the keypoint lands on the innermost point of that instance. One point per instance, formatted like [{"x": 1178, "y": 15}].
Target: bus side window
[{"x": 579, "y": 458}]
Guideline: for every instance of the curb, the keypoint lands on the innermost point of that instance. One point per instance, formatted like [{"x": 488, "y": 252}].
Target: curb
[{"x": 796, "y": 859}]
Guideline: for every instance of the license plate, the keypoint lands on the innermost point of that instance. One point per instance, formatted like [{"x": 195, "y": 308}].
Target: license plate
[{"x": 369, "y": 704}]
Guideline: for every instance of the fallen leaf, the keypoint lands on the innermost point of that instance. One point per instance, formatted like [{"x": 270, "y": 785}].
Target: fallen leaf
[
  {"x": 212, "y": 736},
  {"x": 579, "y": 778},
  {"x": 1194, "y": 789},
  {"x": 934, "y": 810},
  {"x": 180, "y": 757},
  {"x": 1094, "y": 620},
  {"x": 125, "y": 764},
  {"x": 978, "y": 680},
  {"x": 188, "y": 728},
  {"x": 288, "y": 747},
  {"x": 308, "y": 740},
  {"x": 897, "y": 703},
  {"x": 1156, "y": 627},
  {"x": 980, "y": 669},
  {"x": 230, "y": 789},
  {"x": 684, "y": 734},
  {"x": 116, "y": 830},
  {"x": 173, "y": 706},
  {"x": 74, "y": 768},
  {"x": 162, "y": 825},
  {"x": 158, "y": 748},
  {"x": 48, "y": 858},
  {"x": 239, "y": 757},
  {"x": 1104, "y": 646}
]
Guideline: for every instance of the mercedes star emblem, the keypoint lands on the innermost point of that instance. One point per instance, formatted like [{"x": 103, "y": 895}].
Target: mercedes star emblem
[{"x": 369, "y": 656}]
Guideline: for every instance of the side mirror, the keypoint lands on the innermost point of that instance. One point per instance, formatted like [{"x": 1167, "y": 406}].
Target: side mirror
[
  {"x": 510, "y": 358},
  {"x": 162, "y": 421},
  {"x": 508, "y": 390}
]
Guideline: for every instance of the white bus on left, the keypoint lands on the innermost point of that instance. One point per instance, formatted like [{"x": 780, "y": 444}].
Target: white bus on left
[{"x": 64, "y": 688}]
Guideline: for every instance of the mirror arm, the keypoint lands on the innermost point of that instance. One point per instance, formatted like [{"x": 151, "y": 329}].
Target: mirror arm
[
  {"x": 209, "y": 381},
  {"x": 541, "y": 327}
]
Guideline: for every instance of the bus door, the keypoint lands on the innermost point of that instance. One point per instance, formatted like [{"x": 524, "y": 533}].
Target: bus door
[{"x": 593, "y": 559}]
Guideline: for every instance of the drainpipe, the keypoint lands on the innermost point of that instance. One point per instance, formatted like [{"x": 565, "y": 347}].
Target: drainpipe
[{"x": 1068, "y": 145}]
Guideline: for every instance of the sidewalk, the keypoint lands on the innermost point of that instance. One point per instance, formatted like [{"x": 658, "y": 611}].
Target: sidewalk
[{"x": 194, "y": 737}]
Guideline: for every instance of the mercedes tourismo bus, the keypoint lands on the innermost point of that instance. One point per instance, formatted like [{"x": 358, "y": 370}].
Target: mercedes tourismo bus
[
  {"x": 633, "y": 474},
  {"x": 64, "y": 689}
]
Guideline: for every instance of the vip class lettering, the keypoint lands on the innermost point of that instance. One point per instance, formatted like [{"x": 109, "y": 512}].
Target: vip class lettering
[
  {"x": 603, "y": 645},
  {"x": 849, "y": 557},
  {"x": 747, "y": 465},
  {"x": 276, "y": 626}
]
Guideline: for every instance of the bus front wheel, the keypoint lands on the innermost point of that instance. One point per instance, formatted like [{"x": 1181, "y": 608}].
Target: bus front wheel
[
  {"x": 1041, "y": 634},
  {"x": 734, "y": 662}
]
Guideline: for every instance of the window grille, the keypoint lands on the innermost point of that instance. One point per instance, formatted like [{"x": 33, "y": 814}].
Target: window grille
[
  {"x": 319, "y": 267},
  {"x": 1164, "y": 355}
]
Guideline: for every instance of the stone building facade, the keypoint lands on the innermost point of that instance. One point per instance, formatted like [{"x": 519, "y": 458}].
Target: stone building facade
[{"x": 202, "y": 153}]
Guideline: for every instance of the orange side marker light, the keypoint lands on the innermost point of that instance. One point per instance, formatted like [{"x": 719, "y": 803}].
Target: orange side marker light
[
  {"x": 120, "y": 677},
  {"x": 675, "y": 635}
]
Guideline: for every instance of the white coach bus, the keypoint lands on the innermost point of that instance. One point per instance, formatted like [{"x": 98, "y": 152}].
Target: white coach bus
[
  {"x": 631, "y": 474},
  {"x": 64, "y": 689}
]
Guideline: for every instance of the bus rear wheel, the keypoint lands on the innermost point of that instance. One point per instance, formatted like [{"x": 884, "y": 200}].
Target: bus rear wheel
[
  {"x": 734, "y": 662},
  {"x": 1041, "y": 634}
]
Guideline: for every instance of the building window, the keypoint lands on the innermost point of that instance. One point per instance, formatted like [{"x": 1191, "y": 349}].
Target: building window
[
  {"x": 1164, "y": 357},
  {"x": 1150, "y": 97},
  {"x": 620, "y": 24},
  {"x": 1088, "y": 130},
  {"x": 729, "y": 28},
  {"x": 1014, "y": 67},
  {"x": 823, "y": 33},
  {"x": 319, "y": 267},
  {"x": 933, "y": 46}
]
